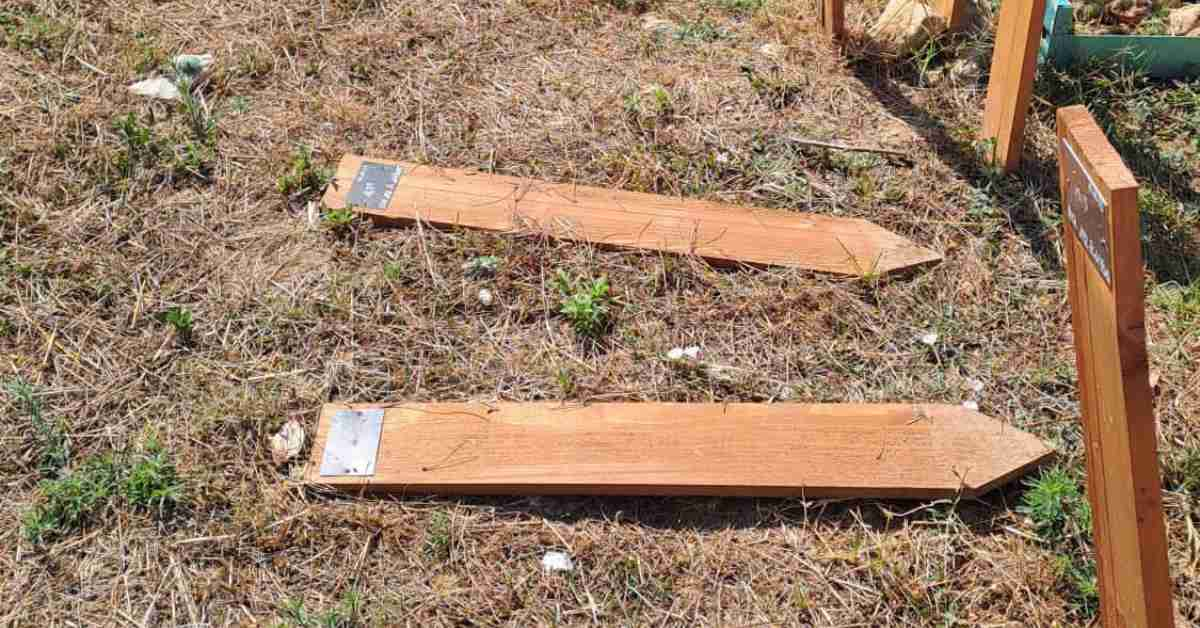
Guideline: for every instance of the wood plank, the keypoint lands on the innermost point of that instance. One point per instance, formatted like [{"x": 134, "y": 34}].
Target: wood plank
[
  {"x": 1105, "y": 275},
  {"x": 955, "y": 12},
  {"x": 770, "y": 450},
  {"x": 1014, "y": 66},
  {"x": 833, "y": 18},
  {"x": 718, "y": 232}
]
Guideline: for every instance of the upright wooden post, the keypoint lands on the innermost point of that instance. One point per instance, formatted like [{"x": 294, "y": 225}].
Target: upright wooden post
[
  {"x": 1014, "y": 65},
  {"x": 1104, "y": 270},
  {"x": 833, "y": 17},
  {"x": 955, "y": 12}
]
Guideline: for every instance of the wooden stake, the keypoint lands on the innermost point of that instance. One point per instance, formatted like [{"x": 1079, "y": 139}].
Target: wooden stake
[
  {"x": 389, "y": 191},
  {"x": 955, "y": 12},
  {"x": 833, "y": 17},
  {"x": 1104, "y": 270},
  {"x": 900, "y": 451},
  {"x": 1014, "y": 65}
]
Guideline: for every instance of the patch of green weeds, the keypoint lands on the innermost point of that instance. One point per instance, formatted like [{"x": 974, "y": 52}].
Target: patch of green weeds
[
  {"x": 347, "y": 614},
  {"x": 181, "y": 320},
  {"x": 776, "y": 90},
  {"x": 53, "y": 450},
  {"x": 73, "y": 501},
  {"x": 148, "y": 55},
  {"x": 140, "y": 148},
  {"x": 439, "y": 536},
  {"x": 1182, "y": 303},
  {"x": 393, "y": 271},
  {"x": 482, "y": 266},
  {"x": 700, "y": 31},
  {"x": 145, "y": 481},
  {"x": 1062, "y": 517},
  {"x": 587, "y": 304},
  {"x": 304, "y": 178},
  {"x": 1181, "y": 471},
  {"x": 151, "y": 482},
  {"x": 339, "y": 221},
  {"x": 738, "y": 7},
  {"x": 32, "y": 32}
]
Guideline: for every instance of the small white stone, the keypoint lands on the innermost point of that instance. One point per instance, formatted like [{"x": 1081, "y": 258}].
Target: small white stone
[
  {"x": 557, "y": 561},
  {"x": 930, "y": 339},
  {"x": 485, "y": 297},
  {"x": 675, "y": 354},
  {"x": 971, "y": 405}
]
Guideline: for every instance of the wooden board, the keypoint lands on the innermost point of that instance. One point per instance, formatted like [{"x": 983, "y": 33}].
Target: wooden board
[
  {"x": 1014, "y": 66},
  {"x": 717, "y": 232},
  {"x": 833, "y": 17},
  {"x": 776, "y": 450},
  {"x": 955, "y": 12},
  {"x": 1104, "y": 268}
]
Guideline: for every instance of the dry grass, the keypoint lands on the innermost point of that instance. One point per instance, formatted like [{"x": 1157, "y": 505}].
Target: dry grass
[{"x": 286, "y": 316}]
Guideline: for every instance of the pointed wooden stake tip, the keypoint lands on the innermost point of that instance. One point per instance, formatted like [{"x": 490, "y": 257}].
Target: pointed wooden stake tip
[
  {"x": 777, "y": 450},
  {"x": 399, "y": 192}
]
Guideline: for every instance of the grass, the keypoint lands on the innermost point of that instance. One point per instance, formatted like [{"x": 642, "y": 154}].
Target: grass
[
  {"x": 52, "y": 445},
  {"x": 287, "y": 317},
  {"x": 144, "y": 481},
  {"x": 586, "y": 303}
]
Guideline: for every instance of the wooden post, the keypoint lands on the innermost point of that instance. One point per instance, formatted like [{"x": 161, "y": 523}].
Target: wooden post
[
  {"x": 1104, "y": 270},
  {"x": 955, "y": 12},
  {"x": 1014, "y": 65},
  {"x": 833, "y": 17}
]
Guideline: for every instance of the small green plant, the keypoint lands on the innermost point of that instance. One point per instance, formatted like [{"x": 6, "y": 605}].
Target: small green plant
[
  {"x": 586, "y": 303},
  {"x": 138, "y": 143},
  {"x": 145, "y": 481},
  {"x": 51, "y": 439},
  {"x": 438, "y": 536},
  {"x": 72, "y": 501},
  {"x": 194, "y": 159},
  {"x": 200, "y": 119},
  {"x": 739, "y": 7},
  {"x": 151, "y": 482},
  {"x": 304, "y": 178},
  {"x": 345, "y": 615},
  {"x": 774, "y": 89},
  {"x": 1062, "y": 516},
  {"x": 482, "y": 266},
  {"x": 33, "y": 32},
  {"x": 1057, "y": 506},
  {"x": 180, "y": 319},
  {"x": 702, "y": 31},
  {"x": 393, "y": 271},
  {"x": 339, "y": 220}
]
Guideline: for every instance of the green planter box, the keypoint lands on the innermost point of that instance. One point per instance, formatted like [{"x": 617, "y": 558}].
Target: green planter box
[{"x": 1160, "y": 56}]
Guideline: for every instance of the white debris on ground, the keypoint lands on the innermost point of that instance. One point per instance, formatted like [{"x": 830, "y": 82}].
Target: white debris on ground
[
  {"x": 287, "y": 442},
  {"x": 930, "y": 339},
  {"x": 557, "y": 561},
  {"x": 486, "y": 298},
  {"x": 189, "y": 70},
  {"x": 680, "y": 353}
]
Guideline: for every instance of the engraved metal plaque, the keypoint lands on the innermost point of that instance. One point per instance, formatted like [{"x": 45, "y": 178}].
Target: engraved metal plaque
[
  {"x": 353, "y": 443},
  {"x": 1087, "y": 211},
  {"x": 374, "y": 185}
]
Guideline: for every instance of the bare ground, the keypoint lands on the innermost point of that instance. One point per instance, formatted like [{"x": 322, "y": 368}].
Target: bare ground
[{"x": 288, "y": 315}]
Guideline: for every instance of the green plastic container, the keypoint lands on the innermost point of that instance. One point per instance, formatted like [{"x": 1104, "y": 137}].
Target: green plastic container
[{"x": 1160, "y": 56}]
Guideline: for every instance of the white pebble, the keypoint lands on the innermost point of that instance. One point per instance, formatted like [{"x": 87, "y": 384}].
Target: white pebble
[
  {"x": 557, "y": 561},
  {"x": 971, "y": 405},
  {"x": 485, "y": 297},
  {"x": 930, "y": 339}
]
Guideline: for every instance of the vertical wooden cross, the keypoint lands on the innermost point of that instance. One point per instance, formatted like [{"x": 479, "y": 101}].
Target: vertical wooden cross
[
  {"x": 1104, "y": 270},
  {"x": 833, "y": 17},
  {"x": 1010, "y": 88}
]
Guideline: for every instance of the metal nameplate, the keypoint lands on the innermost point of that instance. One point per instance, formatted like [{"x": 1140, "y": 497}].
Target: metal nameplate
[
  {"x": 374, "y": 185},
  {"x": 1087, "y": 211},
  {"x": 353, "y": 443}
]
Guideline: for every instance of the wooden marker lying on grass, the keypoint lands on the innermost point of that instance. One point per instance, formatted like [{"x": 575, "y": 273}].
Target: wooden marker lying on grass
[
  {"x": 1104, "y": 270},
  {"x": 389, "y": 191},
  {"x": 768, "y": 450}
]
